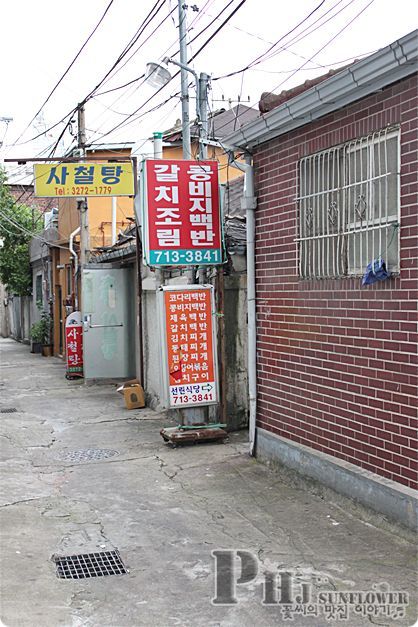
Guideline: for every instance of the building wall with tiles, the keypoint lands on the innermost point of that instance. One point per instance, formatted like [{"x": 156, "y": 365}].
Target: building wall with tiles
[{"x": 337, "y": 362}]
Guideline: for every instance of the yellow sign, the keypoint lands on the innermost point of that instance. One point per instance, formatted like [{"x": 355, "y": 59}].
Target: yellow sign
[{"x": 84, "y": 179}]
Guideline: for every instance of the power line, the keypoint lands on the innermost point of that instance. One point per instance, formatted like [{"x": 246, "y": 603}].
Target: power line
[
  {"x": 123, "y": 123},
  {"x": 30, "y": 233},
  {"x": 150, "y": 16},
  {"x": 309, "y": 69},
  {"x": 67, "y": 70},
  {"x": 326, "y": 44},
  {"x": 316, "y": 53},
  {"x": 303, "y": 34},
  {"x": 224, "y": 23},
  {"x": 257, "y": 59},
  {"x": 142, "y": 43}
]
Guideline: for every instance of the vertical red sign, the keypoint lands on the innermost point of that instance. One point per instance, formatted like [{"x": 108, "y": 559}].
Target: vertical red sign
[
  {"x": 190, "y": 348},
  {"x": 74, "y": 344},
  {"x": 181, "y": 213}
]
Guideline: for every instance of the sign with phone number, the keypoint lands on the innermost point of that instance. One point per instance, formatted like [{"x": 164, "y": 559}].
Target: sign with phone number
[
  {"x": 181, "y": 213},
  {"x": 83, "y": 179},
  {"x": 189, "y": 346},
  {"x": 184, "y": 257},
  {"x": 192, "y": 394}
]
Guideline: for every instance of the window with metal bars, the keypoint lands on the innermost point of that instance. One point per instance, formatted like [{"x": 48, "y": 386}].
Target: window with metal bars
[{"x": 349, "y": 204}]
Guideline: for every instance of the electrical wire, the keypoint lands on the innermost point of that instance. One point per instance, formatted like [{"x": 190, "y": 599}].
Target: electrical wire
[
  {"x": 309, "y": 69},
  {"x": 258, "y": 59},
  {"x": 30, "y": 233},
  {"x": 141, "y": 44},
  {"x": 312, "y": 28},
  {"x": 150, "y": 16},
  {"x": 316, "y": 53},
  {"x": 327, "y": 43},
  {"x": 67, "y": 70},
  {"x": 131, "y": 116}
]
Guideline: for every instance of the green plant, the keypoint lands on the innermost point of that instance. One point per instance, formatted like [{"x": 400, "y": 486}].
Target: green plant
[
  {"x": 40, "y": 330},
  {"x": 17, "y": 222}
]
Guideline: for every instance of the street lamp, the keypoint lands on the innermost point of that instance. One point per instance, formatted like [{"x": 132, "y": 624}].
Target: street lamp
[{"x": 158, "y": 76}]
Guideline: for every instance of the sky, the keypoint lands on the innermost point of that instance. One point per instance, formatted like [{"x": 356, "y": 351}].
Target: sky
[{"x": 40, "y": 40}]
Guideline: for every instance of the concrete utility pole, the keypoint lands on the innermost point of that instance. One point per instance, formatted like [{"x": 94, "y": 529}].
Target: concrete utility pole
[
  {"x": 82, "y": 204},
  {"x": 202, "y": 95},
  {"x": 185, "y": 119}
]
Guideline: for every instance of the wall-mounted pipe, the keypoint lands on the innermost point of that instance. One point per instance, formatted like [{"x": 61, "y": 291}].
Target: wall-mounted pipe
[
  {"x": 249, "y": 202},
  {"x": 74, "y": 254},
  {"x": 114, "y": 208}
]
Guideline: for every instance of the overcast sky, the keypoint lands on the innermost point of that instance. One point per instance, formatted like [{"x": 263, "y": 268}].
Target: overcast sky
[{"x": 40, "y": 39}]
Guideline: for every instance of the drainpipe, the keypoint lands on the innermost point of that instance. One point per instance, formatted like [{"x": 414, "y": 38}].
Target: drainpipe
[
  {"x": 74, "y": 254},
  {"x": 249, "y": 203},
  {"x": 114, "y": 206}
]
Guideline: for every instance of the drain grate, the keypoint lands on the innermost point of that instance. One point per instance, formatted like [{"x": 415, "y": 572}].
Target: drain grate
[
  {"x": 87, "y": 454},
  {"x": 89, "y": 565},
  {"x": 8, "y": 410}
]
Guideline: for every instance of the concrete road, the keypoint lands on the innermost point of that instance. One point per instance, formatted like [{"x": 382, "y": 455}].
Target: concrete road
[{"x": 166, "y": 510}]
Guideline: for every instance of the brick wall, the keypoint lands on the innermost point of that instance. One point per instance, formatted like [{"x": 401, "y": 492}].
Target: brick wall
[
  {"x": 24, "y": 194},
  {"x": 337, "y": 363}
]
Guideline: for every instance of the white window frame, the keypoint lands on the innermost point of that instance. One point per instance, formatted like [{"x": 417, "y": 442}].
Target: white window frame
[{"x": 328, "y": 237}]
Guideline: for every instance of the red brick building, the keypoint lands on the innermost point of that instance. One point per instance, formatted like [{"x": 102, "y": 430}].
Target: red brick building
[{"x": 336, "y": 184}]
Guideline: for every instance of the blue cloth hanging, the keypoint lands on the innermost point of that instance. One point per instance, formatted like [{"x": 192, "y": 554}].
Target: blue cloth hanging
[{"x": 375, "y": 271}]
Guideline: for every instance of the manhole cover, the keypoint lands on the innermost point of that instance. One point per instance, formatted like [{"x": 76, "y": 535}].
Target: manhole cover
[
  {"x": 89, "y": 565},
  {"x": 87, "y": 454},
  {"x": 8, "y": 410}
]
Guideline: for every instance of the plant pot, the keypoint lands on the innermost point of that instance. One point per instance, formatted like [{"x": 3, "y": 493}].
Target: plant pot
[
  {"x": 47, "y": 350},
  {"x": 36, "y": 347}
]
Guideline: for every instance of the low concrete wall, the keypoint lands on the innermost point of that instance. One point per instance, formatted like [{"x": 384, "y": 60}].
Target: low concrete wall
[
  {"x": 395, "y": 501},
  {"x": 19, "y": 312},
  {"x": 4, "y": 312},
  {"x": 236, "y": 351}
]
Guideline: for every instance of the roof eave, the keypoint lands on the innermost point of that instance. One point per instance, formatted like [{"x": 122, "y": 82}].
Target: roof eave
[{"x": 384, "y": 67}]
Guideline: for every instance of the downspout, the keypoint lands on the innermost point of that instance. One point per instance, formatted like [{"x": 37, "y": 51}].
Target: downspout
[
  {"x": 114, "y": 210},
  {"x": 249, "y": 203},
  {"x": 74, "y": 254}
]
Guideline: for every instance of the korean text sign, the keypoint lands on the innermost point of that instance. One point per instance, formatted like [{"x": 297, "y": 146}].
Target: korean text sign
[
  {"x": 84, "y": 179},
  {"x": 74, "y": 344},
  {"x": 189, "y": 345},
  {"x": 181, "y": 213}
]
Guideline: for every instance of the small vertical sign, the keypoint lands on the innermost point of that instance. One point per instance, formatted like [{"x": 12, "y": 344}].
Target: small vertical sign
[
  {"x": 189, "y": 346},
  {"x": 74, "y": 344}
]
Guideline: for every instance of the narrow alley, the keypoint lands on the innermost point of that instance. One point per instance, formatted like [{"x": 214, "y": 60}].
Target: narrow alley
[{"x": 81, "y": 474}]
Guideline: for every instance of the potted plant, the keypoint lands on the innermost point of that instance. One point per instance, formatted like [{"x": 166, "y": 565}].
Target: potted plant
[
  {"x": 37, "y": 335},
  {"x": 40, "y": 333}
]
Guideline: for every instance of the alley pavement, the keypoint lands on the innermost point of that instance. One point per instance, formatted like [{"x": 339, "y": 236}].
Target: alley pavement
[{"x": 82, "y": 474}]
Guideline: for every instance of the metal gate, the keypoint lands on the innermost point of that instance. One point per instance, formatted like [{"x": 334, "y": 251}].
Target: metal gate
[{"x": 108, "y": 297}]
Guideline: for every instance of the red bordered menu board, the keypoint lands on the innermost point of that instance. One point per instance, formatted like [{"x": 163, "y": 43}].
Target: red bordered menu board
[{"x": 189, "y": 345}]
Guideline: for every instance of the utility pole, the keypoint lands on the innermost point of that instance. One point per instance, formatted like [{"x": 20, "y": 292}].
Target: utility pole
[
  {"x": 82, "y": 204},
  {"x": 202, "y": 95},
  {"x": 185, "y": 119}
]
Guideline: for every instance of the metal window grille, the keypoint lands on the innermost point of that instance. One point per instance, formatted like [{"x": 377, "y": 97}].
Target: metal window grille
[{"x": 349, "y": 207}]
